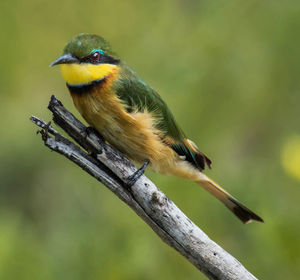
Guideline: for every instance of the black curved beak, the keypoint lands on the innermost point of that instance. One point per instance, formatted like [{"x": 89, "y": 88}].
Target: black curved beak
[{"x": 65, "y": 59}]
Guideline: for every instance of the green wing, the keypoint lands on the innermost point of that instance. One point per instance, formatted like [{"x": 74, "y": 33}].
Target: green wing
[{"x": 137, "y": 95}]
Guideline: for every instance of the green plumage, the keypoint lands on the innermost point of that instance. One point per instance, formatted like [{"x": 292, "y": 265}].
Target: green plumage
[
  {"x": 138, "y": 96},
  {"x": 83, "y": 44}
]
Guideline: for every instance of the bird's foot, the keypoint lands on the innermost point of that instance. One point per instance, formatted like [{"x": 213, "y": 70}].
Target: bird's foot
[
  {"x": 131, "y": 180},
  {"x": 89, "y": 130},
  {"x": 86, "y": 132}
]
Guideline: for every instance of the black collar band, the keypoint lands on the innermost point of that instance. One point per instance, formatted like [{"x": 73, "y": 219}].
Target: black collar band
[{"x": 82, "y": 88}]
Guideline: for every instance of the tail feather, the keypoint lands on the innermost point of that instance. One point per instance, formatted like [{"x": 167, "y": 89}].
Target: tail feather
[{"x": 238, "y": 209}]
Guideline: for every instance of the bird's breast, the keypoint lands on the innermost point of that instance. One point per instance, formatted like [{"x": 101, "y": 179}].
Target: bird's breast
[{"x": 97, "y": 102}]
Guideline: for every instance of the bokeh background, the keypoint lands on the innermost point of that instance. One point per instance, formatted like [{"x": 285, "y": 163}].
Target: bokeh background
[{"x": 229, "y": 71}]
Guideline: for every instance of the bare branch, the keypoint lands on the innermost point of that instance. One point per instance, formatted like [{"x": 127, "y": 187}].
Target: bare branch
[{"x": 112, "y": 168}]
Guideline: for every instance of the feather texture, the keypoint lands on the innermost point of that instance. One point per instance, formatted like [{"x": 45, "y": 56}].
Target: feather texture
[{"x": 138, "y": 96}]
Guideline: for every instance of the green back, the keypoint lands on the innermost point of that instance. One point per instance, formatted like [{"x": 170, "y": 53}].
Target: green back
[{"x": 137, "y": 95}]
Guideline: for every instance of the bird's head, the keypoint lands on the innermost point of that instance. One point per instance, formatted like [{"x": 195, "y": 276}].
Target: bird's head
[{"x": 86, "y": 58}]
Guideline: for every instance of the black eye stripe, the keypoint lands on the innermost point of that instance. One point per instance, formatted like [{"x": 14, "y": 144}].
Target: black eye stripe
[
  {"x": 102, "y": 59},
  {"x": 109, "y": 59}
]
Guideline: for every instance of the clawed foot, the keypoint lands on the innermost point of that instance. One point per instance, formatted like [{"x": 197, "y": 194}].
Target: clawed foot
[
  {"x": 131, "y": 180},
  {"x": 87, "y": 131}
]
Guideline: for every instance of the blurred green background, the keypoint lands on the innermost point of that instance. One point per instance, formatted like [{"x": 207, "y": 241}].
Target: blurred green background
[{"x": 229, "y": 71}]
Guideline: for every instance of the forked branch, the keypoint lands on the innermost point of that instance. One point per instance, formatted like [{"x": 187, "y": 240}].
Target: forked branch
[{"x": 112, "y": 168}]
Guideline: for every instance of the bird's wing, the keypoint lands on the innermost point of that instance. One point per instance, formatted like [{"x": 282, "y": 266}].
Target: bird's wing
[{"x": 138, "y": 96}]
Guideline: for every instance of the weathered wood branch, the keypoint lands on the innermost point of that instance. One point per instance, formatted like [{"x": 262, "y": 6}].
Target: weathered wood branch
[{"x": 112, "y": 168}]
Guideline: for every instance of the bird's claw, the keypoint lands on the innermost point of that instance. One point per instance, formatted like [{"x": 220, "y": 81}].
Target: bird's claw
[
  {"x": 87, "y": 131},
  {"x": 132, "y": 179}
]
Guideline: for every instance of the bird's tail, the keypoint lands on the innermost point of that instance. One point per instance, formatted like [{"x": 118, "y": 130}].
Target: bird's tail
[{"x": 238, "y": 209}]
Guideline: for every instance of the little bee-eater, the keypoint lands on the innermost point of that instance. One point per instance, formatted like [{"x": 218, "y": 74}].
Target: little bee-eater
[{"x": 132, "y": 117}]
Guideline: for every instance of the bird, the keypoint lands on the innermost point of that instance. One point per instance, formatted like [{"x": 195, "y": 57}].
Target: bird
[{"x": 132, "y": 117}]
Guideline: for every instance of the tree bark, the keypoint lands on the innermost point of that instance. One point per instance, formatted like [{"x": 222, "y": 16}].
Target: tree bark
[{"x": 112, "y": 168}]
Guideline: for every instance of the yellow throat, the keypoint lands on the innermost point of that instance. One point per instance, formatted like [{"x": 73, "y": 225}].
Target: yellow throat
[{"x": 78, "y": 74}]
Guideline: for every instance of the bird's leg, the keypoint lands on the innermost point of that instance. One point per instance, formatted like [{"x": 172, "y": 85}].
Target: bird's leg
[
  {"x": 89, "y": 130},
  {"x": 131, "y": 180}
]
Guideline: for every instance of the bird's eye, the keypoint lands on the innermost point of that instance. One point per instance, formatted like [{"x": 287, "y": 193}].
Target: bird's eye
[{"x": 95, "y": 56}]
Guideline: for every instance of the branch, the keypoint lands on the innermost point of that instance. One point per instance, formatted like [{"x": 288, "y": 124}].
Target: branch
[{"x": 112, "y": 168}]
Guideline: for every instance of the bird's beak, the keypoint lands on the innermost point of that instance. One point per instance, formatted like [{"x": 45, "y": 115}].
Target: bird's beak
[{"x": 65, "y": 59}]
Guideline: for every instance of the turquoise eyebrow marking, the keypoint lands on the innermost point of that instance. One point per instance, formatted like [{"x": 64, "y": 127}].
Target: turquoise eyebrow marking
[{"x": 97, "y": 50}]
